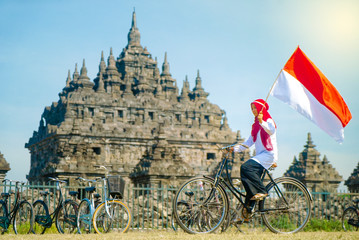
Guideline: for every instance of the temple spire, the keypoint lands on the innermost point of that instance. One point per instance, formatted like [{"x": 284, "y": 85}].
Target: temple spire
[
  {"x": 76, "y": 74},
  {"x": 83, "y": 72},
  {"x": 134, "y": 34},
  {"x": 68, "y": 80},
  {"x": 185, "y": 90},
  {"x": 134, "y": 25},
  {"x": 309, "y": 142},
  {"x": 165, "y": 67},
  {"x": 101, "y": 87},
  {"x": 198, "y": 90},
  {"x": 102, "y": 66},
  {"x": 84, "y": 80}
]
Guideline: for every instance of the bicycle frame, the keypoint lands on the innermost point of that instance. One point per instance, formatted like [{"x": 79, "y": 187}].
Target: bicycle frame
[
  {"x": 218, "y": 180},
  {"x": 60, "y": 203}
]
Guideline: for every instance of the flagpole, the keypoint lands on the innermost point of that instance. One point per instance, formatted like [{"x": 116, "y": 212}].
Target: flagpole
[
  {"x": 273, "y": 85},
  {"x": 271, "y": 90}
]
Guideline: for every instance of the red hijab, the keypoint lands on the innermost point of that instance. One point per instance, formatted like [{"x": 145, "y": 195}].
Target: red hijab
[{"x": 261, "y": 105}]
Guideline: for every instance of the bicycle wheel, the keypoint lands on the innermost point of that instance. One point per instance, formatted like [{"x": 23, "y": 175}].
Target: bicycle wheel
[
  {"x": 84, "y": 217},
  {"x": 111, "y": 216},
  {"x": 66, "y": 217},
  {"x": 287, "y": 208},
  {"x": 4, "y": 220},
  {"x": 194, "y": 211},
  {"x": 24, "y": 218},
  {"x": 42, "y": 217},
  {"x": 350, "y": 219}
]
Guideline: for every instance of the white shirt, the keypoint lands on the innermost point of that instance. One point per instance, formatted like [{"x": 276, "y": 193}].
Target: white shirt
[{"x": 263, "y": 156}]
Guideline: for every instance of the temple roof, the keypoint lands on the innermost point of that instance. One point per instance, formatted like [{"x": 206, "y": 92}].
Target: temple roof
[{"x": 317, "y": 174}]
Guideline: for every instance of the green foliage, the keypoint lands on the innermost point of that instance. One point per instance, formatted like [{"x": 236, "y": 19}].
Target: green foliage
[{"x": 315, "y": 225}]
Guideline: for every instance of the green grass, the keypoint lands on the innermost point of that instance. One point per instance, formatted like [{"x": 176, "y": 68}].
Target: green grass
[
  {"x": 171, "y": 235},
  {"x": 315, "y": 225}
]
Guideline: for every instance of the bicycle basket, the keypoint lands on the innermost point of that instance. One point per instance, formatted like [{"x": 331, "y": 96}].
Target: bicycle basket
[{"x": 116, "y": 186}]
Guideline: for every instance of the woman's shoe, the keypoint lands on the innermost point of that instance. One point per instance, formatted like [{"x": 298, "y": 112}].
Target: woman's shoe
[{"x": 259, "y": 196}]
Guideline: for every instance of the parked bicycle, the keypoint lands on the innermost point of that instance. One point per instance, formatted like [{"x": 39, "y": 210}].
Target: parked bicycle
[
  {"x": 87, "y": 207},
  {"x": 350, "y": 218},
  {"x": 112, "y": 215},
  {"x": 64, "y": 215},
  {"x": 201, "y": 204},
  {"x": 19, "y": 213}
]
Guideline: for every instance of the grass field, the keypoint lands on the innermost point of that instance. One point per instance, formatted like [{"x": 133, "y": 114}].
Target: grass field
[{"x": 156, "y": 234}]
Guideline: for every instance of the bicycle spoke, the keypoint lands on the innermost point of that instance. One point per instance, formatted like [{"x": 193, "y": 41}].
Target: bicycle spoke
[
  {"x": 289, "y": 211},
  {"x": 198, "y": 208}
]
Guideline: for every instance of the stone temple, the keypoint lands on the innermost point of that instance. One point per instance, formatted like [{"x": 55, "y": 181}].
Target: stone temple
[
  {"x": 353, "y": 181},
  {"x": 4, "y": 167},
  {"x": 318, "y": 175},
  {"x": 131, "y": 118}
]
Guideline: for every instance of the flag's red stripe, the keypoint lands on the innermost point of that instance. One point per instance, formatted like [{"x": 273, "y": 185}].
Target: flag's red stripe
[{"x": 301, "y": 68}]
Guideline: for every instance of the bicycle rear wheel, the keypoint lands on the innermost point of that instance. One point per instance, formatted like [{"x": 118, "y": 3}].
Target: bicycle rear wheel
[
  {"x": 287, "y": 208},
  {"x": 66, "y": 217},
  {"x": 42, "y": 217},
  {"x": 4, "y": 221},
  {"x": 112, "y": 216},
  {"x": 350, "y": 219},
  {"x": 195, "y": 211},
  {"x": 24, "y": 218}
]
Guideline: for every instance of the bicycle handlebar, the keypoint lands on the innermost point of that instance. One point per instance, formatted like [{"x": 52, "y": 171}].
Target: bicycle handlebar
[
  {"x": 57, "y": 180},
  {"x": 14, "y": 181},
  {"x": 86, "y": 180},
  {"x": 232, "y": 145}
]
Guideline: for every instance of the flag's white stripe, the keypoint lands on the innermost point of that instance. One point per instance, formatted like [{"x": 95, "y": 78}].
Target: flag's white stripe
[{"x": 291, "y": 91}]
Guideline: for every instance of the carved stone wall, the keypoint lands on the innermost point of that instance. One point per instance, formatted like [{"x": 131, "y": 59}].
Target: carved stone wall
[
  {"x": 318, "y": 175},
  {"x": 4, "y": 167},
  {"x": 353, "y": 181},
  {"x": 114, "y": 120}
]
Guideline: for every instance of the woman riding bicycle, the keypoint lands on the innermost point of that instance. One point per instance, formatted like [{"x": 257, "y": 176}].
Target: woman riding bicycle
[{"x": 263, "y": 136}]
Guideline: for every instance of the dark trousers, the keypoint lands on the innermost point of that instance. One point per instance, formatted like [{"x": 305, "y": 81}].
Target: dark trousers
[{"x": 251, "y": 173}]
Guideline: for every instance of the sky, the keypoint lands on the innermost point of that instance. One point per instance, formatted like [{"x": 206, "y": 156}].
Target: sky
[{"x": 238, "y": 46}]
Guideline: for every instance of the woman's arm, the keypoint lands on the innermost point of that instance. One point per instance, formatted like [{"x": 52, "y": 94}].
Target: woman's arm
[
  {"x": 269, "y": 126},
  {"x": 241, "y": 147}
]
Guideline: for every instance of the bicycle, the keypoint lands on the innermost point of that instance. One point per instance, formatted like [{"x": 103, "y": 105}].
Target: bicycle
[
  {"x": 201, "y": 204},
  {"x": 112, "y": 215},
  {"x": 350, "y": 218},
  {"x": 87, "y": 207},
  {"x": 21, "y": 215},
  {"x": 64, "y": 215}
]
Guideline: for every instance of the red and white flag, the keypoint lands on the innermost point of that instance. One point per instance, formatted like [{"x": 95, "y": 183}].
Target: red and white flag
[{"x": 305, "y": 88}]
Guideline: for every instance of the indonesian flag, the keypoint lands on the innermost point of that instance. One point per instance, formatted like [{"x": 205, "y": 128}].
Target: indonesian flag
[{"x": 305, "y": 88}]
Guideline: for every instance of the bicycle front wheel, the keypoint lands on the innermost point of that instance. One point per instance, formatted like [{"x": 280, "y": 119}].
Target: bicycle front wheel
[
  {"x": 287, "y": 208},
  {"x": 199, "y": 207},
  {"x": 42, "y": 217},
  {"x": 350, "y": 219},
  {"x": 112, "y": 216},
  {"x": 66, "y": 218},
  {"x": 84, "y": 217},
  {"x": 24, "y": 218}
]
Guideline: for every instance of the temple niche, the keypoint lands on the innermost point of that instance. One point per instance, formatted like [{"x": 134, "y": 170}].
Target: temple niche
[
  {"x": 318, "y": 175},
  {"x": 4, "y": 167},
  {"x": 353, "y": 181},
  {"x": 132, "y": 118}
]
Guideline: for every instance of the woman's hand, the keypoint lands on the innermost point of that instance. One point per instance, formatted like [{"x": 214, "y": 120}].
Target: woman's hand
[
  {"x": 230, "y": 149},
  {"x": 260, "y": 117}
]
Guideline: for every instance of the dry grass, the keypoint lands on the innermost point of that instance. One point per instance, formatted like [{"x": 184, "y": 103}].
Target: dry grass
[{"x": 156, "y": 234}]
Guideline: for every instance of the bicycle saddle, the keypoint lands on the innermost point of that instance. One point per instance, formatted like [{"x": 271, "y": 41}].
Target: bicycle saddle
[
  {"x": 73, "y": 193},
  {"x": 90, "y": 189}
]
